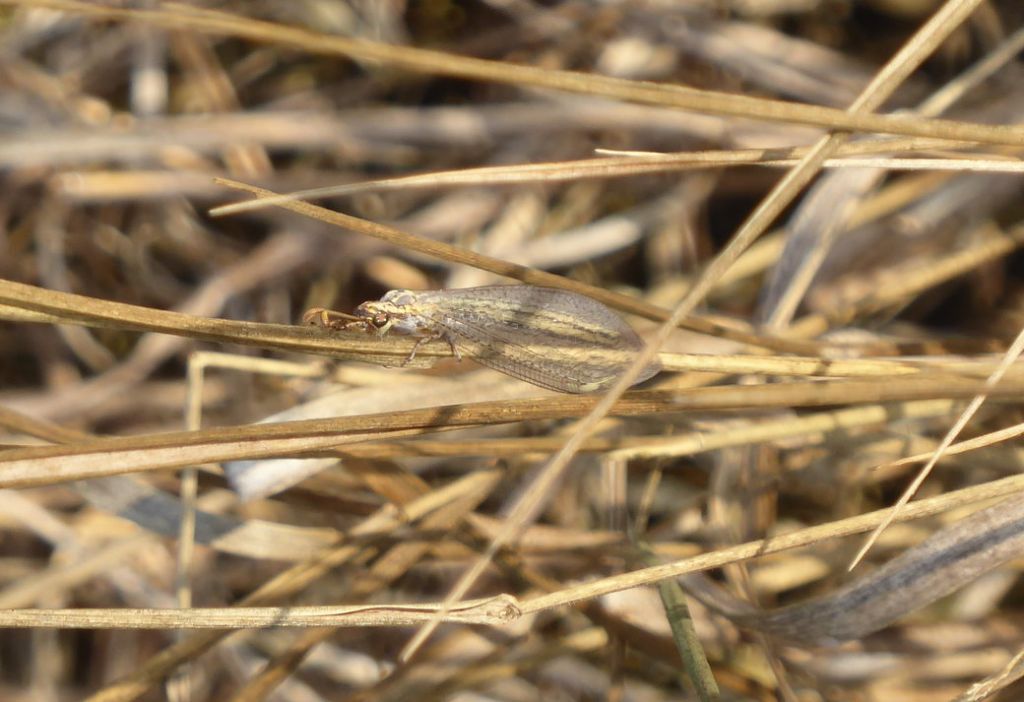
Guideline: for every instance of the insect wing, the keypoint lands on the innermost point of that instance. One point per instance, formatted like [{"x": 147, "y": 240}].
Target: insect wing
[{"x": 555, "y": 339}]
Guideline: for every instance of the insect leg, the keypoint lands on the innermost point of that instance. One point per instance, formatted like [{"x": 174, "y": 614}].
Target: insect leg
[
  {"x": 419, "y": 342},
  {"x": 451, "y": 344},
  {"x": 424, "y": 339}
]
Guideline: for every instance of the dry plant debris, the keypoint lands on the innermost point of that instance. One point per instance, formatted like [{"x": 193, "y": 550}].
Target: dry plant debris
[{"x": 810, "y": 211}]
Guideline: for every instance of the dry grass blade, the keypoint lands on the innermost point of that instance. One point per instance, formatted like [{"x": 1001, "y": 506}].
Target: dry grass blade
[
  {"x": 733, "y": 554},
  {"x": 984, "y": 689},
  {"x": 635, "y": 164},
  {"x": 67, "y": 308},
  {"x": 112, "y": 456},
  {"x": 419, "y": 60},
  {"x": 492, "y": 611},
  {"x": 1011, "y": 356}
]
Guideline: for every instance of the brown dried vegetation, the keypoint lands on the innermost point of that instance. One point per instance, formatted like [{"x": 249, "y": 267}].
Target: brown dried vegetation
[{"x": 809, "y": 209}]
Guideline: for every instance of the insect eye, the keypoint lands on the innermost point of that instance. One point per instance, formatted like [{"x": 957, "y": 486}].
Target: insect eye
[{"x": 379, "y": 320}]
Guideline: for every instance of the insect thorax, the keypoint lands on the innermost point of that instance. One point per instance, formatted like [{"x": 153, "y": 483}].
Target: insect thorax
[{"x": 399, "y": 298}]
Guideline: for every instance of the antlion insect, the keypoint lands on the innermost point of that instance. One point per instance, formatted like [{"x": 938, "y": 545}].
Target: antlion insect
[{"x": 552, "y": 338}]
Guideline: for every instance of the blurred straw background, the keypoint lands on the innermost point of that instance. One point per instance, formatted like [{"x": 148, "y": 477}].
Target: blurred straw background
[{"x": 176, "y": 454}]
